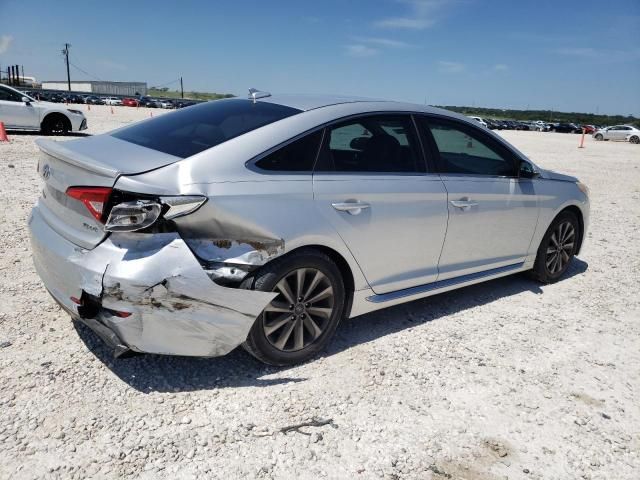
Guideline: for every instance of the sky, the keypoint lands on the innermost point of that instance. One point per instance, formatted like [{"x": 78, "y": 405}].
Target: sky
[{"x": 541, "y": 54}]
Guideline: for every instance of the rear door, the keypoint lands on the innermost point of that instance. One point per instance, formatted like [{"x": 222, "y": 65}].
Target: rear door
[
  {"x": 492, "y": 212},
  {"x": 372, "y": 185}
]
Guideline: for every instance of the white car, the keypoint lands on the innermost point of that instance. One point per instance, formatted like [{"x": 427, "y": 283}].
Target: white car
[
  {"x": 625, "y": 133},
  {"x": 480, "y": 121},
  {"x": 21, "y": 112},
  {"x": 165, "y": 103},
  {"x": 112, "y": 101}
]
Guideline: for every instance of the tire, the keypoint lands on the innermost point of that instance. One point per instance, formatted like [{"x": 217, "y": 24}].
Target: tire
[
  {"x": 557, "y": 249},
  {"x": 309, "y": 317},
  {"x": 56, "y": 124},
  {"x": 635, "y": 140},
  {"x": 599, "y": 137}
]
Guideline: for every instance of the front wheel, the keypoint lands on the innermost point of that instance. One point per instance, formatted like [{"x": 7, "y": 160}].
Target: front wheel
[
  {"x": 599, "y": 137},
  {"x": 56, "y": 125},
  {"x": 635, "y": 139},
  {"x": 557, "y": 249},
  {"x": 301, "y": 320}
]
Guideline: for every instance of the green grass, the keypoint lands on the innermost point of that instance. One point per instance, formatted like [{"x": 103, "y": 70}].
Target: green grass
[{"x": 154, "y": 92}]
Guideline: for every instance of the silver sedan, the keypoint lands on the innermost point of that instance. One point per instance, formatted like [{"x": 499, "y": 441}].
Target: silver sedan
[{"x": 264, "y": 221}]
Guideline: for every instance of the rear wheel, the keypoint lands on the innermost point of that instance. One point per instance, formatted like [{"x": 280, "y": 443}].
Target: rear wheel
[
  {"x": 56, "y": 124},
  {"x": 301, "y": 320},
  {"x": 557, "y": 248},
  {"x": 635, "y": 139}
]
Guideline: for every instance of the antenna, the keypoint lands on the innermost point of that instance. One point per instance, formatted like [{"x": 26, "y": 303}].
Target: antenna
[{"x": 255, "y": 94}]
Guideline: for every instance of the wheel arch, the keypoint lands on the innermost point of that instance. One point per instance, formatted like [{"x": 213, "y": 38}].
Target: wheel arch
[
  {"x": 579, "y": 215},
  {"x": 343, "y": 266},
  {"x": 52, "y": 115}
]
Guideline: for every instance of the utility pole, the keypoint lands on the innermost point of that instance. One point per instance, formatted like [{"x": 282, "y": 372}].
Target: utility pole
[
  {"x": 22, "y": 66},
  {"x": 181, "y": 89},
  {"x": 65, "y": 52}
]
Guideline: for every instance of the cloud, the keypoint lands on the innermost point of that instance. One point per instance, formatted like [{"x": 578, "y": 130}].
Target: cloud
[
  {"x": 422, "y": 14},
  {"x": 362, "y": 51},
  {"x": 501, "y": 67},
  {"x": 110, "y": 64},
  {"x": 450, "y": 67},
  {"x": 383, "y": 42},
  {"x": 5, "y": 43}
]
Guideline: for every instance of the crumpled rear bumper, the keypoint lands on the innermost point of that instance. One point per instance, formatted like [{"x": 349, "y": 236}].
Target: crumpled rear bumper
[{"x": 175, "y": 308}]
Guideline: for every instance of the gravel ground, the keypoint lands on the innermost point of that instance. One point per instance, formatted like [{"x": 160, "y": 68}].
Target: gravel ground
[{"x": 508, "y": 379}]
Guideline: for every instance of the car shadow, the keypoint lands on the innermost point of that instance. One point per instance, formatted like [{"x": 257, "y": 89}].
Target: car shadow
[
  {"x": 158, "y": 373},
  {"x": 35, "y": 133}
]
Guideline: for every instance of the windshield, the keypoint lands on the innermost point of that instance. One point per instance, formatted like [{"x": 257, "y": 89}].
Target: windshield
[{"x": 200, "y": 127}]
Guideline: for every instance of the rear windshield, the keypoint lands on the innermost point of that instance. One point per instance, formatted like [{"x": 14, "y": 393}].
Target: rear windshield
[{"x": 193, "y": 129}]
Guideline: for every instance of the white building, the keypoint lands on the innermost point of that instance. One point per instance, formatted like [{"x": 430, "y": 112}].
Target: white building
[{"x": 98, "y": 87}]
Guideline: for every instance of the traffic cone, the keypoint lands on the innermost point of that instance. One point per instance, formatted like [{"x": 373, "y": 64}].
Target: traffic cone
[
  {"x": 151, "y": 114},
  {"x": 88, "y": 106},
  {"x": 3, "y": 133},
  {"x": 111, "y": 110}
]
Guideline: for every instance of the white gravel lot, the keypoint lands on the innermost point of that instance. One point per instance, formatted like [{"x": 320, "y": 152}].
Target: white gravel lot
[{"x": 507, "y": 379}]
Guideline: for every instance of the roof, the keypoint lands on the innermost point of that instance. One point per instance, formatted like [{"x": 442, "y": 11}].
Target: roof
[
  {"x": 356, "y": 104},
  {"x": 311, "y": 102}
]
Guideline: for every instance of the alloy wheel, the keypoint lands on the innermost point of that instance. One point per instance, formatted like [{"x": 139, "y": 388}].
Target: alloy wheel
[
  {"x": 299, "y": 314},
  {"x": 560, "y": 247}
]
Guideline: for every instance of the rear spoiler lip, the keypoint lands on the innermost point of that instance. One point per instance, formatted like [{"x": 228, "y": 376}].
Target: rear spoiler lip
[{"x": 59, "y": 151}]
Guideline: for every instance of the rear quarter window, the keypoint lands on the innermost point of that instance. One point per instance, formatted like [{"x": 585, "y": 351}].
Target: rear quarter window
[{"x": 192, "y": 130}]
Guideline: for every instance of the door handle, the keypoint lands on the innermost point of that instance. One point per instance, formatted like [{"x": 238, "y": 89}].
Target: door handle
[
  {"x": 464, "y": 204},
  {"x": 353, "y": 208}
]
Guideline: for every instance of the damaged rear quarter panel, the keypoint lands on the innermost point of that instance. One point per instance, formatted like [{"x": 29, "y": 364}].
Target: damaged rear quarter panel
[{"x": 176, "y": 308}]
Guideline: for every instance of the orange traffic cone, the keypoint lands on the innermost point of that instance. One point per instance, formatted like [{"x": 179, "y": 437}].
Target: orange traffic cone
[
  {"x": 111, "y": 110},
  {"x": 3, "y": 133},
  {"x": 88, "y": 106}
]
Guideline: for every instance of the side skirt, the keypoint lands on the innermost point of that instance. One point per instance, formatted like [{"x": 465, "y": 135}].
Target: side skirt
[{"x": 365, "y": 302}]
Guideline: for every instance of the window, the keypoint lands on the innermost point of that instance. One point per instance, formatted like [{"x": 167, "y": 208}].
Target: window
[
  {"x": 9, "y": 95},
  {"x": 378, "y": 144},
  {"x": 298, "y": 156},
  {"x": 191, "y": 130},
  {"x": 465, "y": 151}
]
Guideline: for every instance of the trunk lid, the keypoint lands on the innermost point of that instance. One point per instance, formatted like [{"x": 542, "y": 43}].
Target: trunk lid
[{"x": 89, "y": 162}]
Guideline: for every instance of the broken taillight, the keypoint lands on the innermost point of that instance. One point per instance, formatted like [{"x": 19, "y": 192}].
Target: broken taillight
[{"x": 94, "y": 198}]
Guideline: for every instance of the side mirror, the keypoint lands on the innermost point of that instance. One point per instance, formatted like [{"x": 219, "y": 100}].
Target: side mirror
[
  {"x": 26, "y": 100},
  {"x": 527, "y": 170}
]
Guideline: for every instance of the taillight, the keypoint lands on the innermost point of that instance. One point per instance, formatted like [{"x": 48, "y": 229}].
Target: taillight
[{"x": 94, "y": 198}]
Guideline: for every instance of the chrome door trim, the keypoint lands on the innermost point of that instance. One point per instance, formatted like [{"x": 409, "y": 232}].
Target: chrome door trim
[{"x": 408, "y": 292}]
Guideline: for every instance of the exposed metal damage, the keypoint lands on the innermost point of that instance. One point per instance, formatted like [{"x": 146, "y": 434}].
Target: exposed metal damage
[{"x": 229, "y": 261}]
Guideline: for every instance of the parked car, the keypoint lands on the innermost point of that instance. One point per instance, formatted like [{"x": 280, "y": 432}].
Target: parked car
[
  {"x": 182, "y": 102},
  {"x": 94, "y": 100},
  {"x": 492, "y": 124},
  {"x": 147, "y": 102},
  {"x": 263, "y": 222},
  {"x": 617, "y": 132},
  {"x": 129, "y": 102},
  {"x": 165, "y": 103},
  {"x": 480, "y": 121},
  {"x": 565, "y": 128},
  {"x": 112, "y": 101},
  {"x": 73, "y": 98},
  {"x": 22, "y": 112}
]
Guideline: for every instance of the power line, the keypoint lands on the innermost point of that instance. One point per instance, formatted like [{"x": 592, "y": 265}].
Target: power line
[{"x": 85, "y": 72}]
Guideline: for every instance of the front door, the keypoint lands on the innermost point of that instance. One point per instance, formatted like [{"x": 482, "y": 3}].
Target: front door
[
  {"x": 14, "y": 113},
  {"x": 492, "y": 212},
  {"x": 371, "y": 183}
]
